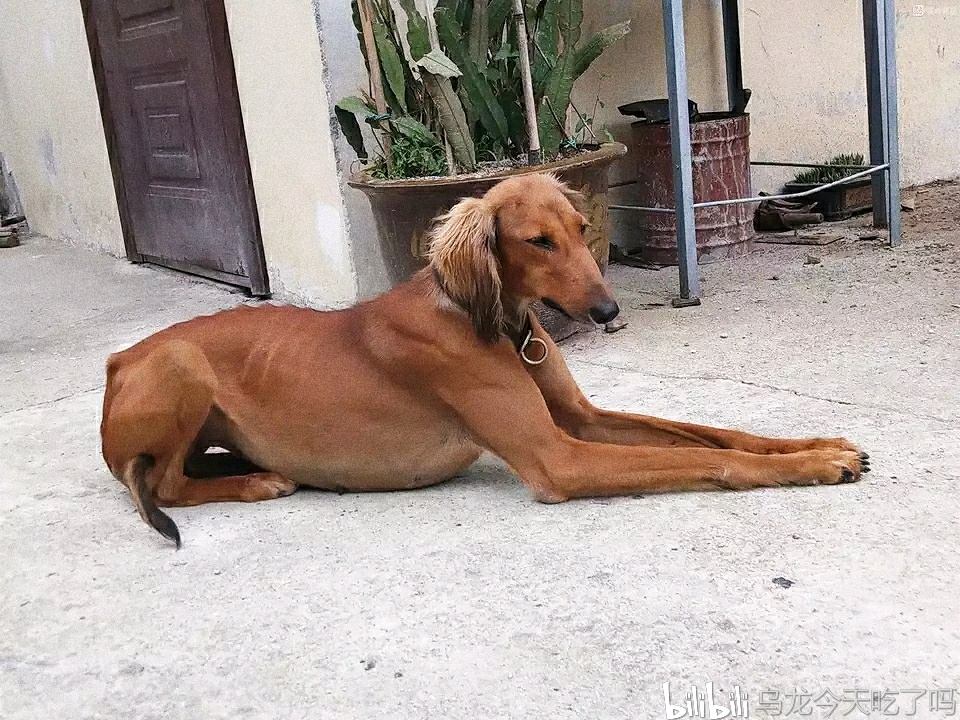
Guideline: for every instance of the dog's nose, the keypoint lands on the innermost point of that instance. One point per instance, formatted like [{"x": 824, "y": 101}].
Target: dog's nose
[{"x": 604, "y": 312}]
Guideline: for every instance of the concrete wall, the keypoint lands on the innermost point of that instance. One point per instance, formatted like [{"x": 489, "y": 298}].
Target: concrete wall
[
  {"x": 52, "y": 136},
  {"x": 50, "y": 127},
  {"x": 280, "y": 77},
  {"x": 346, "y": 76},
  {"x": 804, "y": 61}
]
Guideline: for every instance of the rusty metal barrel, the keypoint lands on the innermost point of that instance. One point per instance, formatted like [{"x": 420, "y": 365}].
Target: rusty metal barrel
[{"x": 721, "y": 171}]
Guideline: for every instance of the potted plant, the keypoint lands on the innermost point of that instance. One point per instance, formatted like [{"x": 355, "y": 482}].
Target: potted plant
[
  {"x": 841, "y": 201},
  {"x": 447, "y": 115}
]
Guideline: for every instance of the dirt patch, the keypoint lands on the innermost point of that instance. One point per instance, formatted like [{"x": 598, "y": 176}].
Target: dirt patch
[{"x": 938, "y": 208}]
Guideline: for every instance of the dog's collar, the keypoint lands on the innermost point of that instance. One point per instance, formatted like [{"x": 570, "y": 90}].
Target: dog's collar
[
  {"x": 520, "y": 335},
  {"x": 525, "y": 342}
]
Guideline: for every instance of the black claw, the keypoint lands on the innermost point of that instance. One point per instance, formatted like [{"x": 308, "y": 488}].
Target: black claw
[{"x": 864, "y": 456}]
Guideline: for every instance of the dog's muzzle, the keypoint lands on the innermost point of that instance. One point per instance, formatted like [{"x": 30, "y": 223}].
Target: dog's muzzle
[{"x": 604, "y": 312}]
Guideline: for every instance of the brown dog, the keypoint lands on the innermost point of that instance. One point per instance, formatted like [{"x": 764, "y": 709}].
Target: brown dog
[{"x": 408, "y": 389}]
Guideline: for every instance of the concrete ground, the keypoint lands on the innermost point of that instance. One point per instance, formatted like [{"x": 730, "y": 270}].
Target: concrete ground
[{"x": 470, "y": 600}]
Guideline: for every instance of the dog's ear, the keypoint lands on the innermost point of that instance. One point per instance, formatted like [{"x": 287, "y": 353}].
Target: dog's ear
[
  {"x": 462, "y": 252},
  {"x": 575, "y": 197}
]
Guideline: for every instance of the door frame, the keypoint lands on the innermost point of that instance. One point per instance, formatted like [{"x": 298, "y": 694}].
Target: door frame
[{"x": 235, "y": 136}]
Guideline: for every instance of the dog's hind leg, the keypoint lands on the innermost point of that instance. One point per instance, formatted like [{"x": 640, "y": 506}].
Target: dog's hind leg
[
  {"x": 234, "y": 488},
  {"x": 156, "y": 405}
]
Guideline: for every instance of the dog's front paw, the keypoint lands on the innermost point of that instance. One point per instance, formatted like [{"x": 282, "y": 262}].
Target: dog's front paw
[
  {"x": 842, "y": 445},
  {"x": 833, "y": 466}
]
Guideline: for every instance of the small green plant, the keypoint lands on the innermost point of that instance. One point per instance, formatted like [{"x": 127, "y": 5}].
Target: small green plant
[
  {"x": 411, "y": 158},
  {"x": 453, "y": 82},
  {"x": 828, "y": 173}
]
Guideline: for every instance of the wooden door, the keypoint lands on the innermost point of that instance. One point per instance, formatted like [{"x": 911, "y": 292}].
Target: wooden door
[{"x": 172, "y": 114}]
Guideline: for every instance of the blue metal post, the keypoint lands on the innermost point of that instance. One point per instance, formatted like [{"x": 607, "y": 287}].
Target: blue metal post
[
  {"x": 875, "y": 49},
  {"x": 680, "y": 141},
  {"x": 893, "y": 124}
]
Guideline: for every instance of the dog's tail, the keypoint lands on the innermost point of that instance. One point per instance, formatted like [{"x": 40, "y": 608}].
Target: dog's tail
[{"x": 135, "y": 475}]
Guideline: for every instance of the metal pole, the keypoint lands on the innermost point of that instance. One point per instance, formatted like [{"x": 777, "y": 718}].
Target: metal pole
[
  {"x": 732, "y": 54},
  {"x": 893, "y": 125},
  {"x": 757, "y": 198},
  {"x": 680, "y": 142},
  {"x": 874, "y": 50}
]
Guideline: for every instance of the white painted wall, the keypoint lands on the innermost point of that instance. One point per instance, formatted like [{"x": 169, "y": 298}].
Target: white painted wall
[
  {"x": 51, "y": 133},
  {"x": 50, "y": 127},
  {"x": 286, "y": 116},
  {"x": 804, "y": 61}
]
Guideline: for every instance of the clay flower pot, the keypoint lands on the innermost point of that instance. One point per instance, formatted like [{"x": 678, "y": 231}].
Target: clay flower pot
[{"x": 405, "y": 209}]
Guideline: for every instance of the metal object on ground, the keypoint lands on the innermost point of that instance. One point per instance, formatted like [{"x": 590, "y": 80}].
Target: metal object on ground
[
  {"x": 721, "y": 171},
  {"x": 840, "y": 202},
  {"x": 656, "y": 111},
  {"x": 680, "y": 144},
  {"x": 879, "y": 28},
  {"x": 785, "y": 215},
  {"x": 9, "y": 238}
]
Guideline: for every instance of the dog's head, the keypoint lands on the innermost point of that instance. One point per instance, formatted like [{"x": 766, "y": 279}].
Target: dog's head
[{"x": 522, "y": 241}]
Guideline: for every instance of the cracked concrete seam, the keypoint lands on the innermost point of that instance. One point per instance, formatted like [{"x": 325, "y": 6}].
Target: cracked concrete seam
[
  {"x": 767, "y": 386},
  {"x": 52, "y": 401}
]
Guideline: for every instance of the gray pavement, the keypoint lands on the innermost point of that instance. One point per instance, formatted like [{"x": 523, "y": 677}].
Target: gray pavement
[{"x": 470, "y": 600}]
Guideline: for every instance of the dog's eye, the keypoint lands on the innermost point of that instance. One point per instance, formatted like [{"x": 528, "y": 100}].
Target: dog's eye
[{"x": 542, "y": 242}]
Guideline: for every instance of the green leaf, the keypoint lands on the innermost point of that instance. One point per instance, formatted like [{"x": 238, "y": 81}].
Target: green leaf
[
  {"x": 506, "y": 51},
  {"x": 452, "y": 119},
  {"x": 392, "y": 66},
  {"x": 460, "y": 9},
  {"x": 347, "y": 111},
  {"x": 544, "y": 26},
  {"x": 357, "y": 106},
  {"x": 592, "y": 49},
  {"x": 556, "y": 99},
  {"x": 436, "y": 63},
  {"x": 415, "y": 130},
  {"x": 483, "y": 104},
  {"x": 569, "y": 20},
  {"x": 418, "y": 36},
  {"x": 498, "y": 11},
  {"x": 540, "y": 72},
  {"x": 553, "y": 89},
  {"x": 493, "y": 74},
  {"x": 479, "y": 40}
]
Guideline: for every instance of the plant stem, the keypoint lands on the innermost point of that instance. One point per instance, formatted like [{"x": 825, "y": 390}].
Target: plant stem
[{"x": 533, "y": 134}]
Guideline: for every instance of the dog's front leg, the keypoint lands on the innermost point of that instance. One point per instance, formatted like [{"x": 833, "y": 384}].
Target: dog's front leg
[
  {"x": 506, "y": 412},
  {"x": 572, "y": 411}
]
